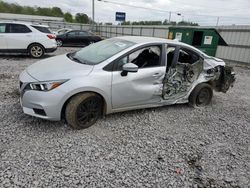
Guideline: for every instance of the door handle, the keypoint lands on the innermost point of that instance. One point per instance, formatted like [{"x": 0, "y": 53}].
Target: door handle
[{"x": 156, "y": 74}]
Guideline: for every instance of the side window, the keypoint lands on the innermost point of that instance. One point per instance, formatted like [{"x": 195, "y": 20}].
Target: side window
[
  {"x": 187, "y": 56},
  {"x": 42, "y": 29},
  {"x": 170, "y": 52},
  {"x": 18, "y": 28},
  {"x": 2, "y": 28},
  {"x": 72, "y": 34},
  {"x": 143, "y": 58},
  {"x": 83, "y": 33}
]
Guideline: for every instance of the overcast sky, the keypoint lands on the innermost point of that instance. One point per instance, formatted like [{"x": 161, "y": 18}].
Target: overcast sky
[{"x": 205, "y": 12}]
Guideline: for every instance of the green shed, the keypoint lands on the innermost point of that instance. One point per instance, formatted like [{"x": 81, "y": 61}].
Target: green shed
[{"x": 205, "y": 39}]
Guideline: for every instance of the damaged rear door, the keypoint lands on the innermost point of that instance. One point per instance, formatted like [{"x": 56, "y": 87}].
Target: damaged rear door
[{"x": 183, "y": 68}]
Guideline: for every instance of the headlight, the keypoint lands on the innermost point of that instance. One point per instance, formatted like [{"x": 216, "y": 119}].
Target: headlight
[{"x": 45, "y": 86}]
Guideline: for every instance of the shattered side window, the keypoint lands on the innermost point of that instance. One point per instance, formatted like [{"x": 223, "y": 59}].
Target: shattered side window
[{"x": 187, "y": 56}]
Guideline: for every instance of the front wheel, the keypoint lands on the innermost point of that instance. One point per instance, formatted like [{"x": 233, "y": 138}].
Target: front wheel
[
  {"x": 83, "y": 110},
  {"x": 59, "y": 42},
  {"x": 201, "y": 95}
]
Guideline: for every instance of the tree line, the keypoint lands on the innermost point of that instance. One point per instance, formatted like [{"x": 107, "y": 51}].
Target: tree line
[
  {"x": 78, "y": 18},
  {"x": 40, "y": 11}
]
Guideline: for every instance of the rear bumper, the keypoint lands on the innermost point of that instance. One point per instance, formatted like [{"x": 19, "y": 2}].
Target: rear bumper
[{"x": 50, "y": 50}]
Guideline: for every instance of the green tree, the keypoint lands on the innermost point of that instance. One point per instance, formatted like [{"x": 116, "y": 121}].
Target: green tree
[
  {"x": 68, "y": 17},
  {"x": 81, "y": 18},
  {"x": 56, "y": 11}
]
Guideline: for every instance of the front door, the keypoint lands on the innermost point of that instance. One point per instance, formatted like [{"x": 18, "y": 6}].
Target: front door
[
  {"x": 71, "y": 38},
  {"x": 184, "y": 68},
  {"x": 84, "y": 38},
  {"x": 144, "y": 86}
]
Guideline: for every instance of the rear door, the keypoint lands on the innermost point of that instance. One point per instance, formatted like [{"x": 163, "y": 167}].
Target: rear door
[
  {"x": 184, "y": 68},
  {"x": 18, "y": 36},
  {"x": 3, "y": 44}
]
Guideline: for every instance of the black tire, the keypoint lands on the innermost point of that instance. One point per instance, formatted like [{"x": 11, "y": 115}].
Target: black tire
[
  {"x": 83, "y": 110},
  {"x": 36, "y": 50},
  {"x": 59, "y": 42},
  {"x": 201, "y": 95}
]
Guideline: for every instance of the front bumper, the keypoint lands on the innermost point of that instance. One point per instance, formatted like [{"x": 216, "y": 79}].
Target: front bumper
[{"x": 46, "y": 105}]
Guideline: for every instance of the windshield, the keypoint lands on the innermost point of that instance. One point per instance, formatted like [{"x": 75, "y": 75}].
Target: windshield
[{"x": 101, "y": 51}]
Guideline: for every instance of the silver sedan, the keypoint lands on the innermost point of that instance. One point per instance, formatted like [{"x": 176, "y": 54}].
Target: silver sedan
[{"x": 119, "y": 74}]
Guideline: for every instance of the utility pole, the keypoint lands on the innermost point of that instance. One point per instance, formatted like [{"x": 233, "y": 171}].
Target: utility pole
[
  {"x": 93, "y": 14},
  {"x": 169, "y": 19},
  {"x": 217, "y": 23}
]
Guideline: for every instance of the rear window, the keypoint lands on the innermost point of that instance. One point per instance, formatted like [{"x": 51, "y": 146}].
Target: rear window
[
  {"x": 18, "y": 28},
  {"x": 42, "y": 29}
]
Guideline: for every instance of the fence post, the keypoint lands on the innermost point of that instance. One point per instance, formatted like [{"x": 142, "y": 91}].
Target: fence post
[
  {"x": 106, "y": 31},
  {"x": 141, "y": 31},
  {"x": 153, "y": 31}
]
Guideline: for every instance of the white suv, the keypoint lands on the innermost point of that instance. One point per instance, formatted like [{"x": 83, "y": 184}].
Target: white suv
[{"x": 17, "y": 37}]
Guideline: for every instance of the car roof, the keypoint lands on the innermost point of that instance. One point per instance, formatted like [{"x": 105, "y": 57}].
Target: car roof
[
  {"x": 146, "y": 40},
  {"x": 24, "y": 23}
]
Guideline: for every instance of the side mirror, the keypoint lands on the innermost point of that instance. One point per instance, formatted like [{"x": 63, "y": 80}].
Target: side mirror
[{"x": 129, "y": 67}]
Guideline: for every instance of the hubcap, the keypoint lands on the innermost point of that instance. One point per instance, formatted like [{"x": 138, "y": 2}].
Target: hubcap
[
  {"x": 36, "y": 51},
  {"x": 59, "y": 43},
  {"x": 88, "y": 111}
]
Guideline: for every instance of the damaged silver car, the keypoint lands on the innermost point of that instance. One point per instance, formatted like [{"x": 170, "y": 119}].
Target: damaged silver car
[{"x": 119, "y": 74}]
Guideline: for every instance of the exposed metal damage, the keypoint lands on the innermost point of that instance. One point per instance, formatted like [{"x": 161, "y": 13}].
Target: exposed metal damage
[{"x": 180, "y": 79}]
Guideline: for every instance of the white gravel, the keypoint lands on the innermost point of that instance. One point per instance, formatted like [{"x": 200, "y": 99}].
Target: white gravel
[{"x": 173, "y": 146}]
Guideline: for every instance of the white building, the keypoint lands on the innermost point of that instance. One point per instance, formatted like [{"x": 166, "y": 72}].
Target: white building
[{"x": 30, "y": 18}]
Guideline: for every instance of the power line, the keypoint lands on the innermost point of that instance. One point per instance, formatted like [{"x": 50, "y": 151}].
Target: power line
[
  {"x": 176, "y": 12},
  {"x": 134, "y": 6}
]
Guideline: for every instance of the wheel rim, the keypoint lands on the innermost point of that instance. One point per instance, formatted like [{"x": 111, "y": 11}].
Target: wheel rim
[
  {"x": 59, "y": 43},
  {"x": 36, "y": 51},
  {"x": 88, "y": 111},
  {"x": 203, "y": 97}
]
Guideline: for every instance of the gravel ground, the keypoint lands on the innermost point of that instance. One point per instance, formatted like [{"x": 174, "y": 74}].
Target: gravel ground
[{"x": 173, "y": 146}]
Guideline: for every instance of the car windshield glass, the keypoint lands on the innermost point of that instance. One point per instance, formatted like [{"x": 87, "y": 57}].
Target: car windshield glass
[
  {"x": 100, "y": 51},
  {"x": 42, "y": 29}
]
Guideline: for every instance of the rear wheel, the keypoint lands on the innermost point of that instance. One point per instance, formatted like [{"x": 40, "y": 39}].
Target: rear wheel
[
  {"x": 36, "y": 50},
  {"x": 201, "y": 95},
  {"x": 83, "y": 110}
]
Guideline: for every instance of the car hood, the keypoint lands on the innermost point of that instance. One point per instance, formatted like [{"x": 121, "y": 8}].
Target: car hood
[{"x": 58, "y": 67}]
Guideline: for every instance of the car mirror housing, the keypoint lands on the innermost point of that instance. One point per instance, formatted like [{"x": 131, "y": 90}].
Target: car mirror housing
[{"x": 130, "y": 67}]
